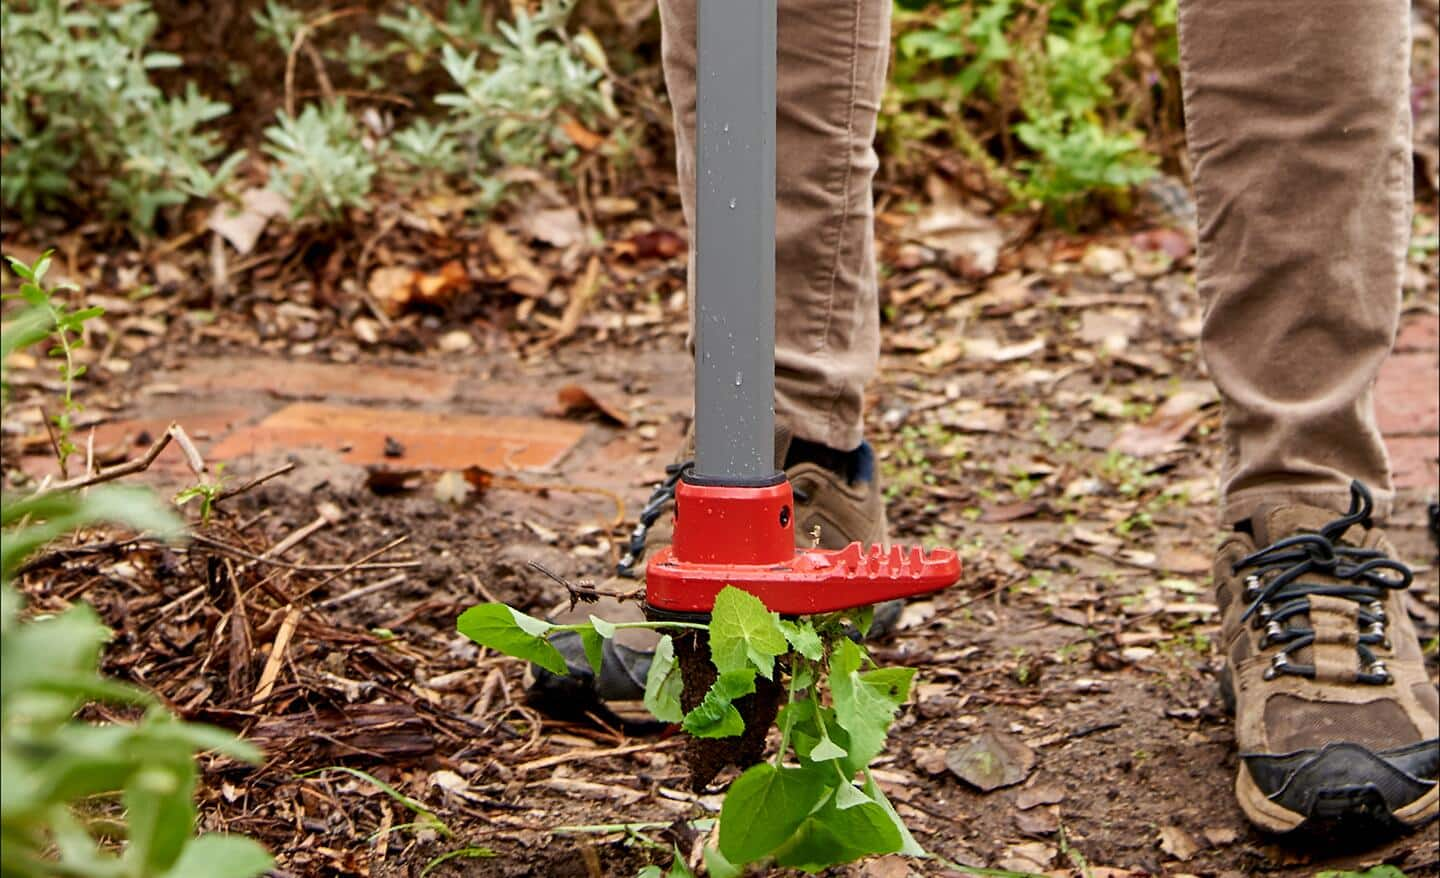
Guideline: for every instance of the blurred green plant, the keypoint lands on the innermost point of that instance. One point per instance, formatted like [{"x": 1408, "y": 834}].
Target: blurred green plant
[
  {"x": 518, "y": 84},
  {"x": 321, "y": 165},
  {"x": 82, "y": 121},
  {"x": 66, "y": 328},
  {"x": 513, "y": 111},
  {"x": 112, "y": 800},
  {"x": 1033, "y": 92}
]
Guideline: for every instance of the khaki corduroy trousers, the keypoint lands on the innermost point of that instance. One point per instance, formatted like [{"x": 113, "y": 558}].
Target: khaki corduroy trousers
[{"x": 1298, "y": 124}]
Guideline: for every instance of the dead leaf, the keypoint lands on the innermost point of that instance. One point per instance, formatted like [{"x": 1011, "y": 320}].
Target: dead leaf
[
  {"x": 560, "y": 227},
  {"x": 970, "y": 240},
  {"x": 1040, "y": 794},
  {"x": 392, "y": 287},
  {"x": 1030, "y": 857},
  {"x": 384, "y": 480},
  {"x": 396, "y": 288},
  {"x": 1110, "y": 328},
  {"x": 1040, "y": 822},
  {"x": 610, "y": 207},
  {"x": 513, "y": 267},
  {"x": 1219, "y": 836},
  {"x": 930, "y": 760},
  {"x": 1172, "y": 242},
  {"x": 654, "y": 244},
  {"x": 1166, "y": 429},
  {"x": 452, "y": 487},
  {"x": 990, "y": 349},
  {"x": 1177, "y": 842},
  {"x": 580, "y": 295},
  {"x": 456, "y": 341},
  {"x": 546, "y": 535},
  {"x": 438, "y": 288},
  {"x": 479, "y": 478},
  {"x": 1003, "y": 512},
  {"x": 1103, "y": 260},
  {"x": 243, "y": 227},
  {"x": 573, "y": 398},
  {"x": 915, "y": 613},
  {"x": 366, "y": 329},
  {"x": 581, "y": 136},
  {"x": 887, "y": 867},
  {"x": 992, "y": 760},
  {"x": 976, "y": 420}
]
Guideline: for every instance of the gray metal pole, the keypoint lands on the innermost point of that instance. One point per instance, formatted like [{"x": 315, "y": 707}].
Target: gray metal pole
[{"x": 735, "y": 242}]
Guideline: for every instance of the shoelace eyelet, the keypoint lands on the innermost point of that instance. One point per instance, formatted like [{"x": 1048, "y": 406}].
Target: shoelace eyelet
[
  {"x": 1278, "y": 665},
  {"x": 1377, "y": 669}
]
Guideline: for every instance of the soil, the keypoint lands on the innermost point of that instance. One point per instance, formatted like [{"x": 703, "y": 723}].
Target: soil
[
  {"x": 1050, "y": 418},
  {"x": 1091, "y": 644}
]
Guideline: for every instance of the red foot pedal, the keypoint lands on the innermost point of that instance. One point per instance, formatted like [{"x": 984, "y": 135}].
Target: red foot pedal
[{"x": 744, "y": 536}]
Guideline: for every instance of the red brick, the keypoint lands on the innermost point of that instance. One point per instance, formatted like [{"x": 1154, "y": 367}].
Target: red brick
[
  {"x": 1407, "y": 395},
  {"x": 431, "y": 441},
  {"x": 1418, "y": 332},
  {"x": 306, "y": 380},
  {"x": 1413, "y": 460}
]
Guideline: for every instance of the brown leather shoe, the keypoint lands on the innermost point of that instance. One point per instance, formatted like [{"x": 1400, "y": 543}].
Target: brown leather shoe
[{"x": 1337, "y": 724}]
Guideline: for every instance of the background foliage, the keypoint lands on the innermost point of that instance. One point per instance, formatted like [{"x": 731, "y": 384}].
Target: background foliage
[{"x": 130, "y": 110}]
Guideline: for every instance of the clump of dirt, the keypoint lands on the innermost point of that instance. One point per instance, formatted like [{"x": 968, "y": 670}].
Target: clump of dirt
[{"x": 707, "y": 757}]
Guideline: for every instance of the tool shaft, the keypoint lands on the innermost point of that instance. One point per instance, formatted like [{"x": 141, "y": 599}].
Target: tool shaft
[{"x": 735, "y": 242}]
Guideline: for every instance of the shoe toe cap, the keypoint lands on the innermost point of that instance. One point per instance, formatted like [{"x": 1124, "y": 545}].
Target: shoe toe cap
[{"x": 1342, "y": 780}]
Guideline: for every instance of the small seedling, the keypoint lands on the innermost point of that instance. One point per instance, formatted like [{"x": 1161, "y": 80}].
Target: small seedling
[{"x": 66, "y": 328}]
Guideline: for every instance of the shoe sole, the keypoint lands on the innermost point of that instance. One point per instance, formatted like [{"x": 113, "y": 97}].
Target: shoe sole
[{"x": 1351, "y": 814}]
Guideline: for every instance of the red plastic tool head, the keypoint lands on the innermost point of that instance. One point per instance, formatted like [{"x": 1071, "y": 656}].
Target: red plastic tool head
[{"x": 745, "y": 537}]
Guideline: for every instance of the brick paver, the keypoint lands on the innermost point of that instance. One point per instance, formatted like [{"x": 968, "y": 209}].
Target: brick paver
[
  {"x": 426, "y": 440},
  {"x": 307, "y": 380},
  {"x": 1407, "y": 403}
]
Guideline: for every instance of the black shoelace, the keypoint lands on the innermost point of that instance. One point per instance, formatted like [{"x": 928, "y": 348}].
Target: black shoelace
[
  {"x": 663, "y": 493},
  {"x": 1277, "y": 592}
]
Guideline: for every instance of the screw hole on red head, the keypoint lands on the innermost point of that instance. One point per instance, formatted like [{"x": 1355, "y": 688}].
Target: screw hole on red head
[{"x": 784, "y": 516}]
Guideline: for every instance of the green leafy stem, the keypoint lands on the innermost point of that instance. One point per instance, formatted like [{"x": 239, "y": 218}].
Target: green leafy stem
[{"x": 816, "y": 804}]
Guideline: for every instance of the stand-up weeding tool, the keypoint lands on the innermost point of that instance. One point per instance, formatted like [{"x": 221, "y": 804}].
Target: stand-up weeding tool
[{"x": 734, "y": 512}]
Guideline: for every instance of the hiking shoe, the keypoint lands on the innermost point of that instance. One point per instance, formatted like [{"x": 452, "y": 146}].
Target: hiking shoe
[
  {"x": 1337, "y": 724},
  {"x": 837, "y": 502}
]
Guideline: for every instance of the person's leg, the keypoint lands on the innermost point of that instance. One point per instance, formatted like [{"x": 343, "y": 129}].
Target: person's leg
[
  {"x": 831, "y": 72},
  {"x": 1298, "y": 123}
]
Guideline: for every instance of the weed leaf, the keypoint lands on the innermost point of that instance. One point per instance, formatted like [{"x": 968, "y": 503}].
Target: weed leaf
[
  {"x": 765, "y": 806},
  {"x": 221, "y": 856},
  {"x": 663, "y": 684},
  {"x": 865, "y": 702},
  {"x": 835, "y": 835},
  {"x": 715, "y": 716},
  {"x": 743, "y": 633},
  {"x": 719, "y": 867},
  {"x": 594, "y": 643},
  {"x": 908, "y": 845},
  {"x": 513, "y": 633},
  {"x": 803, "y": 639}
]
